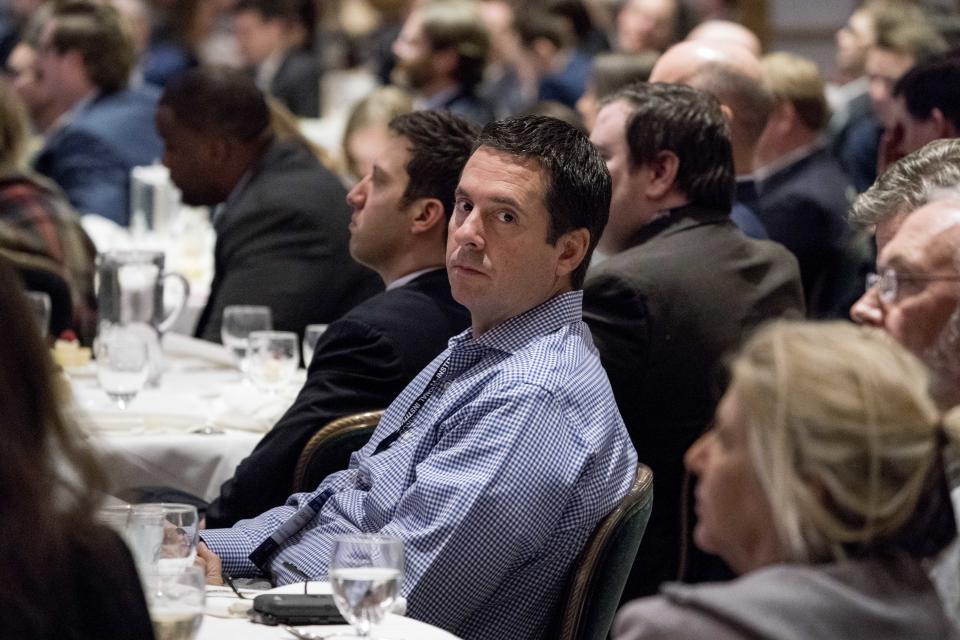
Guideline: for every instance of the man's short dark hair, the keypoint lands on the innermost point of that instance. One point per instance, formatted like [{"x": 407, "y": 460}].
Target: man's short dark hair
[
  {"x": 269, "y": 9},
  {"x": 95, "y": 31},
  {"x": 932, "y": 84},
  {"x": 218, "y": 100},
  {"x": 440, "y": 145},
  {"x": 689, "y": 123},
  {"x": 576, "y": 178}
]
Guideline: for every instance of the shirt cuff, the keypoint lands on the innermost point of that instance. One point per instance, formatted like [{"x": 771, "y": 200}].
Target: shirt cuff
[{"x": 234, "y": 550}]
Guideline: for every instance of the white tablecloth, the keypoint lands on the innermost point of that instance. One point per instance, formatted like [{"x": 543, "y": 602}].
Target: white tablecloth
[
  {"x": 153, "y": 443},
  {"x": 219, "y": 599}
]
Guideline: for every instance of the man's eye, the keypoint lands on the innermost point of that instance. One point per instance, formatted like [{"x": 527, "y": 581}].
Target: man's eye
[
  {"x": 506, "y": 216},
  {"x": 463, "y": 206}
]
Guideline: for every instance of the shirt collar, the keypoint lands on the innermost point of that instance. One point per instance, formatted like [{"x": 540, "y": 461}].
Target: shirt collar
[
  {"x": 440, "y": 99},
  {"x": 410, "y": 277},
  {"x": 514, "y": 333},
  {"x": 787, "y": 159}
]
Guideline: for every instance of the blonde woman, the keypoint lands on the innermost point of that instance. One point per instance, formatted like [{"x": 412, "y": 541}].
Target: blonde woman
[{"x": 822, "y": 484}]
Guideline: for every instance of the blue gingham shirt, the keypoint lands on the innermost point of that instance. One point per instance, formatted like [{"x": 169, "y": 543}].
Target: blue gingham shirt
[{"x": 494, "y": 487}]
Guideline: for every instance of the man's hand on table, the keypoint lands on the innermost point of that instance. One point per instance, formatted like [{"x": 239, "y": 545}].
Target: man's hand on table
[{"x": 210, "y": 563}]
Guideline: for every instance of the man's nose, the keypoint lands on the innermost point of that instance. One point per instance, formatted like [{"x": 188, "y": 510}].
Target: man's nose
[
  {"x": 867, "y": 310},
  {"x": 356, "y": 196},
  {"x": 469, "y": 232}
]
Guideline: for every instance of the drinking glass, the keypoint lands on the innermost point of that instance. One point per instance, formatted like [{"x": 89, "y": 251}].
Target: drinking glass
[
  {"x": 310, "y": 337},
  {"x": 365, "y": 573},
  {"x": 175, "y": 601},
  {"x": 123, "y": 362},
  {"x": 40, "y": 304},
  {"x": 238, "y": 322},
  {"x": 141, "y": 526},
  {"x": 178, "y": 549},
  {"x": 272, "y": 359}
]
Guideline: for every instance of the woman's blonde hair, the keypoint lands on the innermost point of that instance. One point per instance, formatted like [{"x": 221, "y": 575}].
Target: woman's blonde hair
[
  {"x": 380, "y": 106},
  {"x": 846, "y": 442},
  {"x": 14, "y": 130}
]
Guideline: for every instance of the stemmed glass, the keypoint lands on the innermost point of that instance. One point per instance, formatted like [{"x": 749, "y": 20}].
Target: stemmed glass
[
  {"x": 239, "y": 321},
  {"x": 123, "y": 362},
  {"x": 365, "y": 574},
  {"x": 272, "y": 359},
  {"x": 310, "y": 338}
]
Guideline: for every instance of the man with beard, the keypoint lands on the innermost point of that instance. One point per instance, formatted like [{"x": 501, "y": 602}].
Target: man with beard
[{"x": 441, "y": 53}]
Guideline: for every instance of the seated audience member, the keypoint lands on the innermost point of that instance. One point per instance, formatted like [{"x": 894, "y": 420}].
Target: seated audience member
[
  {"x": 367, "y": 357},
  {"x": 680, "y": 288},
  {"x": 904, "y": 38},
  {"x": 916, "y": 295},
  {"x": 650, "y": 25},
  {"x": 38, "y": 227},
  {"x": 927, "y": 105},
  {"x": 66, "y": 576},
  {"x": 822, "y": 484},
  {"x": 496, "y": 463},
  {"x": 102, "y": 129},
  {"x": 282, "y": 232},
  {"x": 726, "y": 31},
  {"x": 510, "y": 81},
  {"x": 733, "y": 76},
  {"x": 264, "y": 31},
  {"x": 22, "y": 74},
  {"x": 366, "y": 126},
  {"x": 561, "y": 68},
  {"x": 612, "y": 71},
  {"x": 441, "y": 53},
  {"x": 804, "y": 194}
]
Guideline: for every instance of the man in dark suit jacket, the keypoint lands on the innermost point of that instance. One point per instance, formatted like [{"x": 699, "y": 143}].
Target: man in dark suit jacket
[
  {"x": 369, "y": 356},
  {"x": 804, "y": 193},
  {"x": 102, "y": 129},
  {"x": 681, "y": 288},
  {"x": 264, "y": 32},
  {"x": 282, "y": 232}
]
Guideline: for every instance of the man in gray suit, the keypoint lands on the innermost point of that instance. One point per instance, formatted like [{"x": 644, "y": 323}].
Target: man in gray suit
[
  {"x": 682, "y": 286},
  {"x": 282, "y": 238}
]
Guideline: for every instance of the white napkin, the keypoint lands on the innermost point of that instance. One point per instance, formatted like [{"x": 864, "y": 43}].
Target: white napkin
[
  {"x": 246, "y": 410},
  {"x": 94, "y": 420},
  {"x": 176, "y": 344}
]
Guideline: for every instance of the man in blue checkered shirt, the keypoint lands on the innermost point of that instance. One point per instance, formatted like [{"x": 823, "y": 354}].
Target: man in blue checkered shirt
[{"x": 496, "y": 463}]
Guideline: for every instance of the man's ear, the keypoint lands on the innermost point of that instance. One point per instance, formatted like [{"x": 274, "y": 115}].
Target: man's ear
[
  {"x": 428, "y": 215},
  {"x": 573, "y": 247},
  {"x": 943, "y": 126},
  {"x": 663, "y": 174}
]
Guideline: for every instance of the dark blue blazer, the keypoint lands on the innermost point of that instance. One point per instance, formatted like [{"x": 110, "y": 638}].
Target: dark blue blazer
[
  {"x": 91, "y": 157},
  {"x": 362, "y": 362}
]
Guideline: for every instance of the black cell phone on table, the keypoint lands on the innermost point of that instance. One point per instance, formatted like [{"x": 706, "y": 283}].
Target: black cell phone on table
[{"x": 295, "y": 608}]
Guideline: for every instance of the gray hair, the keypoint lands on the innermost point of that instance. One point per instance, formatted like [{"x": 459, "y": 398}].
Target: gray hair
[{"x": 911, "y": 182}]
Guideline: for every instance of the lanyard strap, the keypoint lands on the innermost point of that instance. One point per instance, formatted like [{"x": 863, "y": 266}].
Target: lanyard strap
[{"x": 415, "y": 407}]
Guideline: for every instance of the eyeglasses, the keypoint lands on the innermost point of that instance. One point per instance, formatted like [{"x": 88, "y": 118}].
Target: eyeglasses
[{"x": 888, "y": 283}]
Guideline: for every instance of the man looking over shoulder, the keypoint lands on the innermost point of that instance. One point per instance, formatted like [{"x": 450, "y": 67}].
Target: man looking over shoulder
[
  {"x": 366, "y": 358},
  {"x": 282, "y": 231},
  {"x": 496, "y": 463},
  {"x": 682, "y": 286}
]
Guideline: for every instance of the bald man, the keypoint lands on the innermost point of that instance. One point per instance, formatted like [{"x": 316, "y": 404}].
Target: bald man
[
  {"x": 733, "y": 75},
  {"x": 726, "y": 31}
]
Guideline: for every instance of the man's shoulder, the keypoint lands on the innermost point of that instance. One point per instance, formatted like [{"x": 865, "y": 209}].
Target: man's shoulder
[{"x": 427, "y": 298}]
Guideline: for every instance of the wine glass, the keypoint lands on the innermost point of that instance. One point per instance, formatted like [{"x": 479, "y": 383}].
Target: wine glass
[
  {"x": 178, "y": 549},
  {"x": 239, "y": 321},
  {"x": 123, "y": 362},
  {"x": 310, "y": 338},
  {"x": 175, "y": 601},
  {"x": 272, "y": 359},
  {"x": 365, "y": 573}
]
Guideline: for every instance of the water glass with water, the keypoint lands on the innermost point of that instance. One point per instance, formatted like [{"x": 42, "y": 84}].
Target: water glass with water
[
  {"x": 176, "y": 603},
  {"x": 365, "y": 575},
  {"x": 272, "y": 359},
  {"x": 310, "y": 338},
  {"x": 123, "y": 362},
  {"x": 239, "y": 321},
  {"x": 178, "y": 549}
]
